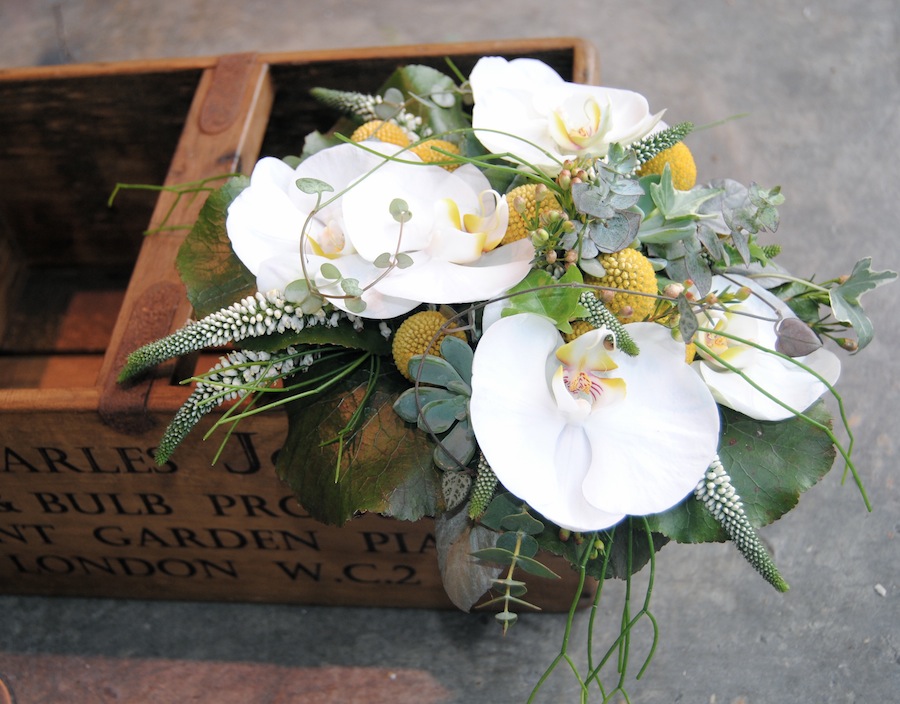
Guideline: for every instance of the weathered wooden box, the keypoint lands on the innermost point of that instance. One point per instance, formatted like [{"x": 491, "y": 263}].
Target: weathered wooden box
[{"x": 84, "y": 509}]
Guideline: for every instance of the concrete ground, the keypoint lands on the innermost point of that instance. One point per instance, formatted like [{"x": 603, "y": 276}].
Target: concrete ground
[{"x": 820, "y": 83}]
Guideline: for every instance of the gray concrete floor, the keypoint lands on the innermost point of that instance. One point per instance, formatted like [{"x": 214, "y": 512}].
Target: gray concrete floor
[{"x": 821, "y": 85}]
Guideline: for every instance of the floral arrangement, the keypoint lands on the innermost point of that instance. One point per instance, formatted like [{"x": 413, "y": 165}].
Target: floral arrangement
[{"x": 502, "y": 300}]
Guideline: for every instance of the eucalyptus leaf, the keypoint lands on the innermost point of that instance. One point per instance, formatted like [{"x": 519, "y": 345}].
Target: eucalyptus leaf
[
  {"x": 532, "y": 566},
  {"x": 615, "y": 233},
  {"x": 528, "y": 546},
  {"x": 522, "y": 521}
]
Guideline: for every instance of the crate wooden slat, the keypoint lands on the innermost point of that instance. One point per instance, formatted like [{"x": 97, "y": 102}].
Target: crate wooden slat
[{"x": 84, "y": 510}]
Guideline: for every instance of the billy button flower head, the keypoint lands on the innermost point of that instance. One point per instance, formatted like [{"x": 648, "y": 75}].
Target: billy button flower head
[
  {"x": 419, "y": 334},
  {"x": 526, "y": 204},
  {"x": 585, "y": 433},
  {"x": 631, "y": 273},
  {"x": 681, "y": 165}
]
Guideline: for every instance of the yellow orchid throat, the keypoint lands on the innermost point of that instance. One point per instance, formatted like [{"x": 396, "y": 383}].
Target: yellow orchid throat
[
  {"x": 329, "y": 242},
  {"x": 470, "y": 235},
  {"x": 723, "y": 348},
  {"x": 584, "y": 362},
  {"x": 584, "y": 134}
]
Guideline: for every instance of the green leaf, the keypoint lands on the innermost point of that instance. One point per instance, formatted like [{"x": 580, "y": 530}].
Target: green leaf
[
  {"x": 528, "y": 546},
  {"x": 330, "y": 271},
  {"x": 313, "y": 186},
  {"x": 770, "y": 465},
  {"x": 369, "y": 339},
  {"x": 522, "y": 521},
  {"x": 501, "y": 506},
  {"x": 434, "y": 370},
  {"x": 459, "y": 355},
  {"x": 845, "y": 298},
  {"x": 497, "y": 556},
  {"x": 559, "y": 304},
  {"x": 457, "y": 447},
  {"x": 407, "y": 405},
  {"x": 532, "y": 566},
  {"x": 213, "y": 275},
  {"x": 439, "y": 415},
  {"x": 465, "y": 579},
  {"x": 415, "y": 84},
  {"x": 385, "y": 466}
]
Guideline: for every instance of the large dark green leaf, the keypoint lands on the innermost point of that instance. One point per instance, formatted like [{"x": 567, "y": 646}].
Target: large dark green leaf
[
  {"x": 214, "y": 276},
  {"x": 385, "y": 466},
  {"x": 434, "y": 96},
  {"x": 770, "y": 464}
]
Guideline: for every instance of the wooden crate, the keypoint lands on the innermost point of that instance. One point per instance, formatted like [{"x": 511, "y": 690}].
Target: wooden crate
[{"x": 84, "y": 510}]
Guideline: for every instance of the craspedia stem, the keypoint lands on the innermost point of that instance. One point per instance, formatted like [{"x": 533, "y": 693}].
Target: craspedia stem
[
  {"x": 600, "y": 317},
  {"x": 254, "y": 316},
  {"x": 718, "y": 495},
  {"x": 483, "y": 491}
]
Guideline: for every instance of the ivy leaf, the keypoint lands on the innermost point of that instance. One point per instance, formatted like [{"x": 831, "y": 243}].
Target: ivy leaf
[
  {"x": 845, "y": 298},
  {"x": 213, "y": 275},
  {"x": 770, "y": 465},
  {"x": 385, "y": 466},
  {"x": 558, "y": 304}
]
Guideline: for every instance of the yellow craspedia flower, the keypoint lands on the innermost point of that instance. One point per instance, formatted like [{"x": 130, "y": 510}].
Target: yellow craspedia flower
[
  {"x": 414, "y": 337},
  {"x": 579, "y": 327},
  {"x": 518, "y": 227},
  {"x": 690, "y": 351},
  {"x": 628, "y": 270},
  {"x": 681, "y": 164},
  {"x": 383, "y": 131},
  {"x": 425, "y": 152}
]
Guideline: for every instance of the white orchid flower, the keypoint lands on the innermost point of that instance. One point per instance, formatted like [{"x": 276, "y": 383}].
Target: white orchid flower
[
  {"x": 528, "y": 100},
  {"x": 584, "y": 433},
  {"x": 754, "y": 319},
  {"x": 452, "y": 237}
]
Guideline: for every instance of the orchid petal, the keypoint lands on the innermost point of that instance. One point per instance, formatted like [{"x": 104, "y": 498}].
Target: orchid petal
[
  {"x": 584, "y": 466},
  {"x": 522, "y": 107},
  {"x": 780, "y": 378}
]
